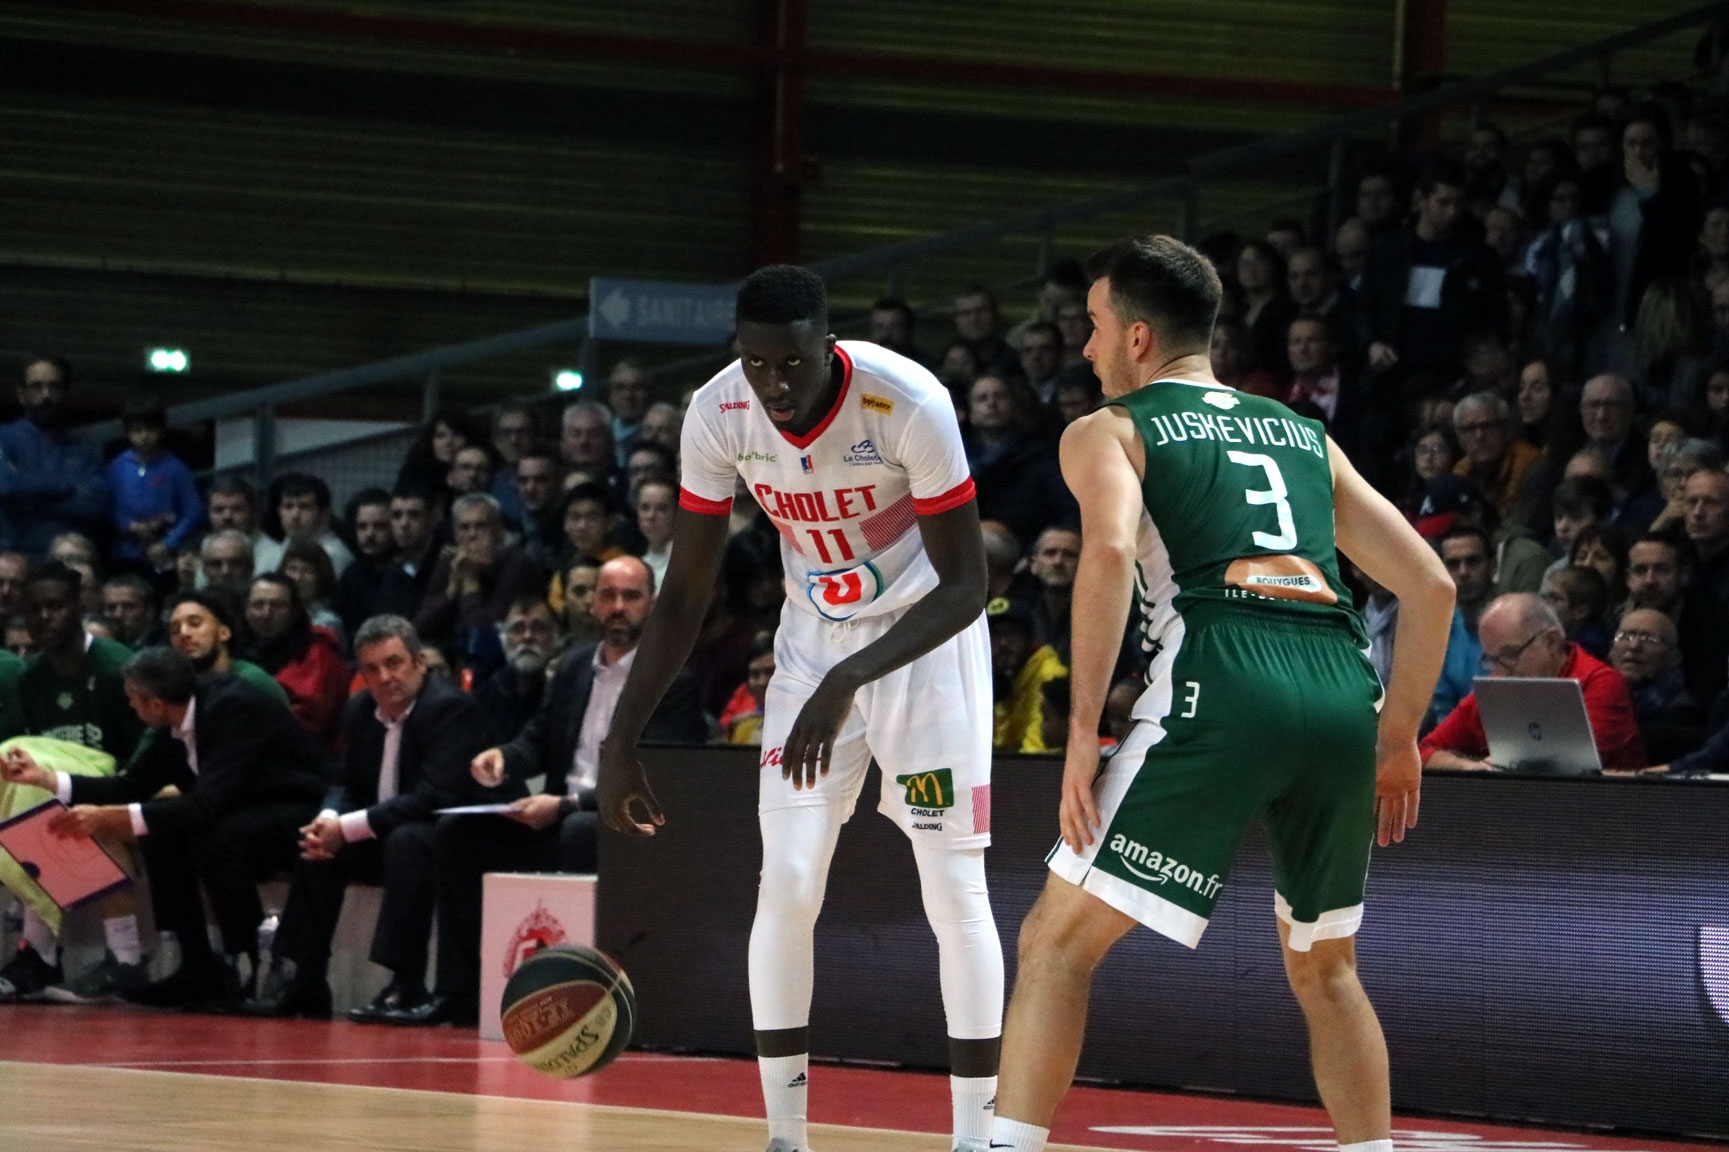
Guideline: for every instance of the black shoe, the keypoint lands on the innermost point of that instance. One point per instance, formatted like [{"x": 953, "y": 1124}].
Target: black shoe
[
  {"x": 437, "y": 1009},
  {"x": 398, "y": 996},
  {"x": 309, "y": 1000},
  {"x": 27, "y": 976},
  {"x": 192, "y": 985}
]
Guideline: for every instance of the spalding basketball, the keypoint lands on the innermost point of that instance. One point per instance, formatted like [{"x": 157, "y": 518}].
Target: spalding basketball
[{"x": 568, "y": 1010}]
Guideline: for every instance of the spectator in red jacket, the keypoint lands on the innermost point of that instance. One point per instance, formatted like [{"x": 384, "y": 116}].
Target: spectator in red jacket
[
  {"x": 1522, "y": 636},
  {"x": 304, "y": 658}
]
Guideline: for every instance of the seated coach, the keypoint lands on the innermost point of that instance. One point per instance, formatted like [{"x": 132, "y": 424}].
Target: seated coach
[
  {"x": 1522, "y": 636},
  {"x": 241, "y": 777},
  {"x": 409, "y": 738}
]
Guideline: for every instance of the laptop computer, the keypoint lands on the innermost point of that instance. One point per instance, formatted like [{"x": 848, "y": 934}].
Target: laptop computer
[{"x": 1537, "y": 725}]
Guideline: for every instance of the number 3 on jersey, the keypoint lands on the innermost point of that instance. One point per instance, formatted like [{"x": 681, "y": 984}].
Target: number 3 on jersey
[{"x": 1273, "y": 494}]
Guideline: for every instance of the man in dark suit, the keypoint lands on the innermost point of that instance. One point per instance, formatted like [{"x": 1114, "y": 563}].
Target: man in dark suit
[
  {"x": 555, "y": 831},
  {"x": 244, "y": 776},
  {"x": 408, "y": 741}
]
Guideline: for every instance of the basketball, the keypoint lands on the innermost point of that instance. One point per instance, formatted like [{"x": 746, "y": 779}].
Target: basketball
[{"x": 568, "y": 1011}]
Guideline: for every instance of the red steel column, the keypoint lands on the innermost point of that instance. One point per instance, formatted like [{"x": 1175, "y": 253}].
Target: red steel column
[{"x": 780, "y": 159}]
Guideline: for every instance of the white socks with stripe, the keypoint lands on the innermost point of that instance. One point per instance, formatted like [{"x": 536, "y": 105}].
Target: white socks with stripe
[
  {"x": 785, "y": 1089},
  {"x": 1018, "y": 1137},
  {"x": 37, "y": 935},
  {"x": 975, "y": 1100}
]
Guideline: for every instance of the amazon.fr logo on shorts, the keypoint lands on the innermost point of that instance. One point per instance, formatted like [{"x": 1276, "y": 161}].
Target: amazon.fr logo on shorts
[{"x": 933, "y": 789}]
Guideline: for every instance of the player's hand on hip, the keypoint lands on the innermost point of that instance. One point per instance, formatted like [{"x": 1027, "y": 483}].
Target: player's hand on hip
[
  {"x": 488, "y": 768},
  {"x": 1398, "y": 782},
  {"x": 1079, "y": 812},
  {"x": 622, "y": 785},
  {"x": 809, "y": 748}
]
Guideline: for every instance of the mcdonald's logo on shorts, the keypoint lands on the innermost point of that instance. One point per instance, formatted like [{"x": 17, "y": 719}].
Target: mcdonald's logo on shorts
[{"x": 933, "y": 789}]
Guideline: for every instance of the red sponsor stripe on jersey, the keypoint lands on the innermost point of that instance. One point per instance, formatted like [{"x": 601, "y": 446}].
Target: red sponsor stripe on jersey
[
  {"x": 691, "y": 502},
  {"x": 953, "y": 498},
  {"x": 787, "y": 534},
  {"x": 809, "y": 438},
  {"x": 981, "y": 809},
  {"x": 890, "y": 524}
]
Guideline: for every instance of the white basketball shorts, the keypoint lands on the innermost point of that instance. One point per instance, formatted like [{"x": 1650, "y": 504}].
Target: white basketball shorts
[{"x": 927, "y": 724}]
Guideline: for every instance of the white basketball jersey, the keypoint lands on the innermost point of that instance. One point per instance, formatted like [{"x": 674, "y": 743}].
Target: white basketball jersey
[{"x": 845, "y": 496}]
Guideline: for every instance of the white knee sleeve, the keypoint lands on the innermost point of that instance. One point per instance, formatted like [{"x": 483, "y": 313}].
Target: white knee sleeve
[
  {"x": 971, "y": 957},
  {"x": 797, "y": 845}
]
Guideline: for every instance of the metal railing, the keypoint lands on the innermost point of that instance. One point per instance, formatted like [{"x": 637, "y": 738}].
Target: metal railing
[{"x": 1184, "y": 190}]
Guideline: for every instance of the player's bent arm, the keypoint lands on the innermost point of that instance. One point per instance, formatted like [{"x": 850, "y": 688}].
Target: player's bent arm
[
  {"x": 956, "y": 549},
  {"x": 1380, "y": 541},
  {"x": 1100, "y": 472},
  {"x": 698, "y": 539}
]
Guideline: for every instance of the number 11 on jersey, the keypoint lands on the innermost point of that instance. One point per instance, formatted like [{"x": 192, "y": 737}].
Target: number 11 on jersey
[{"x": 841, "y": 551}]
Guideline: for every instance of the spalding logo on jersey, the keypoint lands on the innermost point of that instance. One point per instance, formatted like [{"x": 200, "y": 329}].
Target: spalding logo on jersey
[
  {"x": 844, "y": 593},
  {"x": 1221, "y": 400}
]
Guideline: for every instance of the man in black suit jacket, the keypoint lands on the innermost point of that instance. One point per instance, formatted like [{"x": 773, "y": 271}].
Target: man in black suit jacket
[
  {"x": 242, "y": 776},
  {"x": 408, "y": 741},
  {"x": 556, "y": 830}
]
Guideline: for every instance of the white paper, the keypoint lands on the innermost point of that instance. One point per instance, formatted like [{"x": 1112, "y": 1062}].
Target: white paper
[{"x": 477, "y": 810}]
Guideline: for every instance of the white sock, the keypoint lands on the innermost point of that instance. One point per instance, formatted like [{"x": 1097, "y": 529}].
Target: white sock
[
  {"x": 1368, "y": 1146},
  {"x": 38, "y": 936},
  {"x": 214, "y": 934},
  {"x": 785, "y": 1088},
  {"x": 975, "y": 1100},
  {"x": 1018, "y": 1137},
  {"x": 121, "y": 933}
]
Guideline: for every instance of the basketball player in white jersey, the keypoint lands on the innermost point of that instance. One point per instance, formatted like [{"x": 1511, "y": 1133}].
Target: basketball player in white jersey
[{"x": 854, "y": 454}]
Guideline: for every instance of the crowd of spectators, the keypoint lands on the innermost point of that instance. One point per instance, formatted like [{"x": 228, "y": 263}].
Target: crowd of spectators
[{"x": 1525, "y": 348}]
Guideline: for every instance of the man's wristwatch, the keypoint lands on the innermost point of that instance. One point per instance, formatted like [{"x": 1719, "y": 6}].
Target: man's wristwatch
[{"x": 568, "y": 804}]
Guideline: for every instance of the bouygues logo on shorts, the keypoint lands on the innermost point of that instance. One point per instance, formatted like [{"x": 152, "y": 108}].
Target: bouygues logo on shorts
[
  {"x": 934, "y": 790},
  {"x": 540, "y": 929}
]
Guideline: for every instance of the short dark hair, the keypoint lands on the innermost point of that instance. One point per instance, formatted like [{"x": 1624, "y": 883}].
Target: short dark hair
[
  {"x": 1652, "y": 113},
  {"x": 302, "y": 484},
  {"x": 1583, "y": 496},
  {"x": 296, "y": 606},
  {"x": 894, "y": 304},
  {"x": 232, "y": 485},
  {"x": 312, "y": 553},
  {"x": 366, "y": 498},
  {"x": 220, "y": 607},
  {"x": 408, "y": 490},
  {"x": 1164, "y": 284},
  {"x": 144, "y": 412},
  {"x": 54, "y": 572},
  {"x": 1442, "y": 170},
  {"x": 145, "y": 589},
  {"x": 668, "y": 458},
  {"x": 1047, "y": 328},
  {"x": 163, "y": 673},
  {"x": 589, "y": 491},
  {"x": 782, "y": 294},
  {"x": 1467, "y": 531}
]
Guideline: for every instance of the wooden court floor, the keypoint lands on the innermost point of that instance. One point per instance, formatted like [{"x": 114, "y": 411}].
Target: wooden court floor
[{"x": 81, "y": 1079}]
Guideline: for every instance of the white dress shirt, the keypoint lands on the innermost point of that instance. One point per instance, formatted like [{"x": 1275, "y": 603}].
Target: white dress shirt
[
  {"x": 354, "y": 824},
  {"x": 602, "y": 702}
]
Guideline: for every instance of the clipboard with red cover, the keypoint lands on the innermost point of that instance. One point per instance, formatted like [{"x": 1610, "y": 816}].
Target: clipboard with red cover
[{"x": 73, "y": 871}]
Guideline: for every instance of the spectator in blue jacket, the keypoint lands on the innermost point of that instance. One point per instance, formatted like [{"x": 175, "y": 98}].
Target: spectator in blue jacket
[
  {"x": 50, "y": 481},
  {"x": 156, "y": 503}
]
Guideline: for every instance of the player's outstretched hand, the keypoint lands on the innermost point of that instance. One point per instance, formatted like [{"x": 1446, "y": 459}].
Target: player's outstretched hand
[
  {"x": 1079, "y": 813},
  {"x": 1398, "y": 781},
  {"x": 810, "y": 745},
  {"x": 622, "y": 785}
]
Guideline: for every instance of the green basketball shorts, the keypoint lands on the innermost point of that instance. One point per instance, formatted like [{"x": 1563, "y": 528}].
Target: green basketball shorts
[{"x": 1244, "y": 716}]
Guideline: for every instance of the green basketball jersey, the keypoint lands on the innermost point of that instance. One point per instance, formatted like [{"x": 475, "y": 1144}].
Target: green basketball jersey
[{"x": 1239, "y": 506}]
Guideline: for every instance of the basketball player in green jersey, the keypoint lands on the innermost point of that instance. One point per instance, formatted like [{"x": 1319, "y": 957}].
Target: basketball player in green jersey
[{"x": 1221, "y": 511}]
